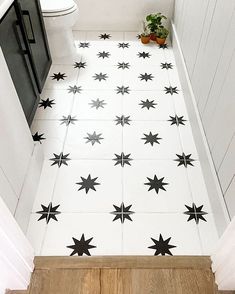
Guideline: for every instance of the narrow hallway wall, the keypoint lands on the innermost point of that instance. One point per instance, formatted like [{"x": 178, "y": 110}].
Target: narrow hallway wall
[{"x": 206, "y": 30}]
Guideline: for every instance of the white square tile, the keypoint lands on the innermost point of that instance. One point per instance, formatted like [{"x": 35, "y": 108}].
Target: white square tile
[
  {"x": 97, "y": 105},
  {"x": 148, "y": 105},
  {"x": 187, "y": 141},
  {"x": 151, "y": 140},
  {"x": 138, "y": 233},
  {"x": 136, "y": 186},
  {"x": 94, "y": 140},
  {"x": 108, "y": 186},
  {"x": 52, "y": 134},
  {"x": 180, "y": 106},
  {"x": 131, "y": 36},
  {"x": 105, "y": 234}
]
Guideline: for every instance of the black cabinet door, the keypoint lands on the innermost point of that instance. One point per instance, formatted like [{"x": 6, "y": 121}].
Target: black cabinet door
[
  {"x": 30, "y": 11},
  {"x": 17, "y": 59}
]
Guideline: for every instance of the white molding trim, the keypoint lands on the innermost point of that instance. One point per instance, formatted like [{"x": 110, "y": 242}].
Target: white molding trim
[{"x": 216, "y": 198}]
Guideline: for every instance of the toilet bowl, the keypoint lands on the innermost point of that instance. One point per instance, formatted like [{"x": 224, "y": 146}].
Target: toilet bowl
[{"x": 59, "y": 18}]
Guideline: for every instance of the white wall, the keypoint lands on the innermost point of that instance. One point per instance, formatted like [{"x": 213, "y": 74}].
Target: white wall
[
  {"x": 206, "y": 30},
  {"x": 118, "y": 15}
]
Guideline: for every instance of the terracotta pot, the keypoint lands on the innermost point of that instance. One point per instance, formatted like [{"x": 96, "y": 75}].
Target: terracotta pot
[
  {"x": 145, "y": 39},
  {"x": 160, "y": 41},
  {"x": 152, "y": 37}
]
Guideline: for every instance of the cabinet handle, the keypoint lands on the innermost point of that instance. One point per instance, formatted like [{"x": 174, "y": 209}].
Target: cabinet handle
[
  {"x": 31, "y": 39},
  {"x": 19, "y": 39}
]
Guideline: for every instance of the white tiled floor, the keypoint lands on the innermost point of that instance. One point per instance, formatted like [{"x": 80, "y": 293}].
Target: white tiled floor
[{"x": 90, "y": 184}]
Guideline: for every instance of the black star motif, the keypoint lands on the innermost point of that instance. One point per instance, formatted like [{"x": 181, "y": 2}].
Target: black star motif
[
  {"x": 122, "y": 159},
  {"x": 156, "y": 184},
  {"x": 68, "y": 120},
  {"x": 177, "y": 120},
  {"x": 103, "y": 54},
  {"x": 104, "y": 36},
  {"x": 161, "y": 246},
  {"x": 74, "y": 89},
  {"x": 100, "y": 77},
  {"x": 81, "y": 246},
  {"x": 147, "y": 104},
  {"x": 138, "y": 36},
  {"x": 195, "y": 213},
  {"x": 123, "y": 65},
  {"x": 60, "y": 159},
  {"x": 97, "y": 103},
  {"x": 79, "y": 65},
  {"x": 166, "y": 65},
  {"x": 123, "y": 90},
  {"x": 84, "y": 45},
  {"x": 171, "y": 90},
  {"x": 146, "y": 77},
  {"x": 164, "y": 46},
  {"x": 93, "y": 138},
  {"x": 48, "y": 212},
  {"x": 144, "y": 54},
  {"x": 150, "y": 138},
  {"x": 38, "y": 138},
  {"x": 88, "y": 183},
  {"x": 122, "y": 120},
  {"x": 58, "y": 76},
  {"x": 122, "y": 212},
  {"x": 123, "y": 45},
  {"x": 46, "y": 103},
  {"x": 184, "y": 159}
]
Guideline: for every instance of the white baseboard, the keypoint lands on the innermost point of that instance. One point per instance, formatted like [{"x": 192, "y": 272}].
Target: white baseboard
[
  {"x": 30, "y": 186},
  {"x": 214, "y": 191}
]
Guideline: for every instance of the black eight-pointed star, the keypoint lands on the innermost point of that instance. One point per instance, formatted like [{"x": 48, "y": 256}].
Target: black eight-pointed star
[
  {"x": 144, "y": 55},
  {"x": 103, "y": 54},
  {"x": 195, "y": 213},
  {"x": 74, "y": 89},
  {"x": 93, "y": 138},
  {"x": 46, "y": 103},
  {"x": 164, "y": 46},
  {"x": 171, "y": 90},
  {"x": 161, "y": 246},
  {"x": 123, "y": 212},
  {"x": 166, "y": 65},
  {"x": 38, "y": 138},
  {"x": 122, "y": 159},
  {"x": 145, "y": 77},
  {"x": 48, "y": 212},
  {"x": 150, "y": 138},
  {"x": 60, "y": 159},
  {"x": 79, "y": 64},
  {"x": 84, "y": 45},
  {"x": 123, "y": 90},
  {"x": 122, "y": 120},
  {"x": 156, "y": 184},
  {"x": 147, "y": 104},
  {"x": 68, "y": 120},
  {"x": 100, "y": 77},
  {"x": 123, "y": 65},
  {"x": 81, "y": 246},
  {"x": 58, "y": 76},
  {"x": 88, "y": 183},
  {"x": 184, "y": 159},
  {"x": 104, "y": 36},
  {"x": 123, "y": 45},
  {"x": 97, "y": 103},
  {"x": 177, "y": 120}
]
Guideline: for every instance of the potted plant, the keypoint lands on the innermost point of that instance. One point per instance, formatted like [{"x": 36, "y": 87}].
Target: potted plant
[
  {"x": 161, "y": 35},
  {"x": 145, "y": 36},
  {"x": 154, "y": 22}
]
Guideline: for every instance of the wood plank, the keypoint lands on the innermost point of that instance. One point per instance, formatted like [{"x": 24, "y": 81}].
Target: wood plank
[
  {"x": 116, "y": 281},
  {"x": 191, "y": 262},
  {"x": 17, "y": 292}
]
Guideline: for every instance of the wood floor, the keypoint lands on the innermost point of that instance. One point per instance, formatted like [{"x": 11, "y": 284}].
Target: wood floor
[{"x": 122, "y": 275}]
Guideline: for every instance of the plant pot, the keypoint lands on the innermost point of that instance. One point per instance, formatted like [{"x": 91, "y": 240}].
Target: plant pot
[
  {"x": 160, "y": 41},
  {"x": 152, "y": 37},
  {"x": 145, "y": 39}
]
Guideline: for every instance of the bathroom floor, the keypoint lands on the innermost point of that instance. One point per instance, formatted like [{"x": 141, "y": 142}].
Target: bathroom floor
[{"x": 121, "y": 174}]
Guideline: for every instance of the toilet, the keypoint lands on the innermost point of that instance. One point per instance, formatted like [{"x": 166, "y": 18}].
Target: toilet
[{"x": 59, "y": 18}]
